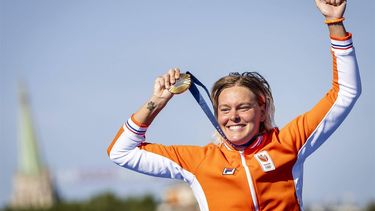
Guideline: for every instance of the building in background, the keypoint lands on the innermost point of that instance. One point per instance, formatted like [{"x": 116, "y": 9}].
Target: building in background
[
  {"x": 178, "y": 198},
  {"x": 32, "y": 184}
]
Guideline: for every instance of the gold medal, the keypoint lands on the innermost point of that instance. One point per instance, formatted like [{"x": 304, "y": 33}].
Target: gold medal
[{"x": 182, "y": 84}]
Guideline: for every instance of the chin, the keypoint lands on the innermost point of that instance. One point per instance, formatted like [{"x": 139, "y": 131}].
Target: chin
[
  {"x": 236, "y": 139},
  {"x": 239, "y": 141}
]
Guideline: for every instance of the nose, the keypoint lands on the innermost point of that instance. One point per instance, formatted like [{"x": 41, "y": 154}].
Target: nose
[{"x": 234, "y": 117}]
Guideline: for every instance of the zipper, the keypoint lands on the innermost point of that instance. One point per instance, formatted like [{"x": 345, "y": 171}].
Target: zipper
[{"x": 249, "y": 181}]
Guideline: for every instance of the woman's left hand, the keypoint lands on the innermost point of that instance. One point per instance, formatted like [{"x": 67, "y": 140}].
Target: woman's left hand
[{"x": 331, "y": 9}]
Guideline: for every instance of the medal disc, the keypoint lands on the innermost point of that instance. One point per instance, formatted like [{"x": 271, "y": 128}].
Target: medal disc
[{"x": 182, "y": 84}]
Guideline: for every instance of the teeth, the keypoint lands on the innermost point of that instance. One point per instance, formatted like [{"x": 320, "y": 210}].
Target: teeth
[{"x": 235, "y": 127}]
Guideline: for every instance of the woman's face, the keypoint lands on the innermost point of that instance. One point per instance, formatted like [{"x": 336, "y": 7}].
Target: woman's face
[{"x": 239, "y": 114}]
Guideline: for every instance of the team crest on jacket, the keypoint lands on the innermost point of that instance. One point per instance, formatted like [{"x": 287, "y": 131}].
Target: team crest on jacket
[
  {"x": 229, "y": 171},
  {"x": 265, "y": 161}
]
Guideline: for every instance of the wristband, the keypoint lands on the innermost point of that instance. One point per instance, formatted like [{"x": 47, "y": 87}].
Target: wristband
[
  {"x": 139, "y": 124},
  {"x": 335, "y": 20}
]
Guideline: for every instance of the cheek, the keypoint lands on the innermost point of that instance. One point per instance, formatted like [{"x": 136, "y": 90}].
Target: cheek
[
  {"x": 222, "y": 119},
  {"x": 250, "y": 117}
]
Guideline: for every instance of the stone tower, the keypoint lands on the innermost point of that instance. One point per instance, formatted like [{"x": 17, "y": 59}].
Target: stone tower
[{"x": 32, "y": 186}]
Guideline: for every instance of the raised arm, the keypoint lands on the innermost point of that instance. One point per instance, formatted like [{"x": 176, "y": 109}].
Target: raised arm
[
  {"x": 159, "y": 99},
  {"x": 333, "y": 11},
  {"x": 310, "y": 130},
  {"x": 129, "y": 149}
]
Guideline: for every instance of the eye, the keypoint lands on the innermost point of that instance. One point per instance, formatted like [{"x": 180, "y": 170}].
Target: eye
[
  {"x": 224, "y": 110},
  {"x": 245, "y": 108}
]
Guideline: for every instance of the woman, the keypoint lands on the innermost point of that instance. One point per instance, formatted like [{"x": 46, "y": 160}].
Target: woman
[{"x": 257, "y": 166}]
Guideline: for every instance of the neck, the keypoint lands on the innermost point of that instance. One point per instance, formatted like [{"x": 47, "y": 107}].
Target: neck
[{"x": 245, "y": 145}]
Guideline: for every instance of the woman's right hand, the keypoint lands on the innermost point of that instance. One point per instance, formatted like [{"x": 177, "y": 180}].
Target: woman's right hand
[
  {"x": 160, "y": 97},
  {"x": 164, "y": 82}
]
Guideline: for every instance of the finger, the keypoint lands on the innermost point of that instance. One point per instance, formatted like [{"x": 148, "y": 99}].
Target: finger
[
  {"x": 174, "y": 74},
  {"x": 177, "y": 73},
  {"x": 334, "y": 2},
  {"x": 330, "y": 2},
  {"x": 340, "y": 2},
  {"x": 166, "y": 79},
  {"x": 171, "y": 74}
]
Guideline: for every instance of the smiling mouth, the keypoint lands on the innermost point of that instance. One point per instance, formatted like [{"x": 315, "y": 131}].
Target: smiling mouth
[{"x": 235, "y": 128}]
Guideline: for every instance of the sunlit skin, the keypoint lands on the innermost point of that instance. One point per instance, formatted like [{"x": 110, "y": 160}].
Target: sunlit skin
[{"x": 239, "y": 114}]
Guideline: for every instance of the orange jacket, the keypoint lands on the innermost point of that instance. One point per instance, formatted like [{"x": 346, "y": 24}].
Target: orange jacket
[{"x": 268, "y": 174}]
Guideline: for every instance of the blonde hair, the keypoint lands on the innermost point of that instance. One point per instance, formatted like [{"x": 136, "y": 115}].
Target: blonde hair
[{"x": 256, "y": 84}]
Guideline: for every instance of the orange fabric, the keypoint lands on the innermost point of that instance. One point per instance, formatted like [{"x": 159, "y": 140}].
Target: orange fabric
[
  {"x": 347, "y": 37},
  {"x": 275, "y": 189},
  {"x": 137, "y": 122},
  {"x": 120, "y": 131}
]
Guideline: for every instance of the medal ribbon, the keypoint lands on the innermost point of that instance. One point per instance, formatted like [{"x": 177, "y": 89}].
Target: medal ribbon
[{"x": 199, "y": 98}]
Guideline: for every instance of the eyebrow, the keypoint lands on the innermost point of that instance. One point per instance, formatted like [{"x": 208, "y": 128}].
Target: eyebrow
[{"x": 241, "y": 104}]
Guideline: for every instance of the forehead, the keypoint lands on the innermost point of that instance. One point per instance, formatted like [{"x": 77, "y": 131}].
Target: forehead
[{"x": 236, "y": 95}]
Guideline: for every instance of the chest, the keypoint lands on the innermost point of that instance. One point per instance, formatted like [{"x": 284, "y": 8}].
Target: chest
[{"x": 269, "y": 161}]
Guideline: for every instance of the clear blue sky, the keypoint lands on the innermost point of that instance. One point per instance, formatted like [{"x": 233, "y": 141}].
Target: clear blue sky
[{"x": 90, "y": 64}]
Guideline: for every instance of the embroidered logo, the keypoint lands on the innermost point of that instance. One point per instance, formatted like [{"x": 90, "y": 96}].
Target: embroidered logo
[
  {"x": 229, "y": 171},
  {"x": 263, "y": 158},
  {"x": 265, "y": 161}
]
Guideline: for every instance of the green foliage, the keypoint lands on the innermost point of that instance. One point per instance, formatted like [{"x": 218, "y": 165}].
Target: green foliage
[
  {"x": 371, "y": 206},
  {"x": 103, "y": 202}
]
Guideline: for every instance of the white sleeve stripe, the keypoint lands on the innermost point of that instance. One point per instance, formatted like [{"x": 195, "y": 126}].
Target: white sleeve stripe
[
  {"x": 134, "y": 130},
  {"x": 342, "y": 43}
]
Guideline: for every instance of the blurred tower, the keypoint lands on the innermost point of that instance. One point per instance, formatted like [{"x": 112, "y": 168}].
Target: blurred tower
[{"x": 32, "y": 186}]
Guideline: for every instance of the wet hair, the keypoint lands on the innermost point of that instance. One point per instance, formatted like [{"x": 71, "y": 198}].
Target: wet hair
[{"x": 256, "y": 84}]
